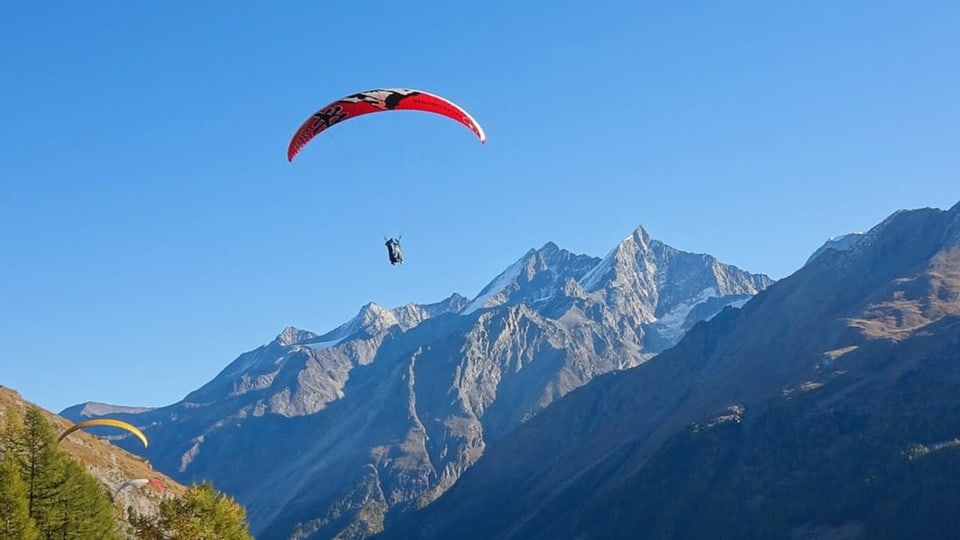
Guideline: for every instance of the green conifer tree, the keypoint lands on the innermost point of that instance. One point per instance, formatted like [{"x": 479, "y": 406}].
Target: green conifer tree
[
  {"x": 65, "y": 501},
  {"x": 202, "y": 512},
  {"x": 15, "y": 521}
]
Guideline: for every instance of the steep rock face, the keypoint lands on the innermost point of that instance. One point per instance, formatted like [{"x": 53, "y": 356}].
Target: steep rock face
[
  {"x": 656, "y": 293},
  {"x": 534, "y": 279},
  {"x": 637, "y": 452},
  {"x": 437, "y": 408},
  {"x": 323, "y": 436}
]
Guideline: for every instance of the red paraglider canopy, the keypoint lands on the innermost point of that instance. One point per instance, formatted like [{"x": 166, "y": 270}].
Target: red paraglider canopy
[{"x": 379, "y": 100}]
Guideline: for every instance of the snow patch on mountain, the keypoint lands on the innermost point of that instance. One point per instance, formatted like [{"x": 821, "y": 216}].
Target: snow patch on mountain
[
  {"x": 592, "y": 279},
  {"x": 496, "y": 286},
  {"x": 672, "y": 324},
  {"x": 318, "y": 345},
  {"x": 736, "y": 304},
  {"x": 372, "y": 318},
  {"x": 839, "y": 243}
]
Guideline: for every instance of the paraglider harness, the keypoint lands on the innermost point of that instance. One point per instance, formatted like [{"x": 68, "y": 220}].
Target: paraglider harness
[{"x": 393, "y": 250}]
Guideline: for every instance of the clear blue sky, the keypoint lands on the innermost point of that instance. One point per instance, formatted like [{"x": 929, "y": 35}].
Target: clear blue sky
[{"x": 151, "y": 228}]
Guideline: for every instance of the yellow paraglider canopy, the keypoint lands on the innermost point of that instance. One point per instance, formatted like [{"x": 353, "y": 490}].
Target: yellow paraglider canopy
[{"x": 105, "y": 422}]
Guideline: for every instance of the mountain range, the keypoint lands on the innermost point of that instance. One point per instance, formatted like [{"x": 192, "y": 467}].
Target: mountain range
[
  {"x": 334, "y": 435},
  {"x": 649, "y": 393}
]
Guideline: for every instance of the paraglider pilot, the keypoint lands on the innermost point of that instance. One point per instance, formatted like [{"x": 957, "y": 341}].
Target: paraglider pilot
[{"x": 393, "y": 250}]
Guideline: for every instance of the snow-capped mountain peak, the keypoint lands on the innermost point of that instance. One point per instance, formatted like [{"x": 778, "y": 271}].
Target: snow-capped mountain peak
[
  {"x": 374, "y": 317},
  {"x": 629, "y": 252},
  {"x": 663, "y": 289},
  {"x": 532, "y": 279},
  {"x": 291, "y": 335},
  {"x": 640, "y": 237}
]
